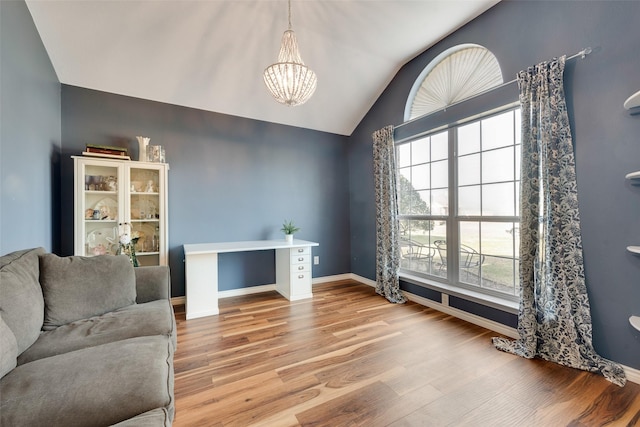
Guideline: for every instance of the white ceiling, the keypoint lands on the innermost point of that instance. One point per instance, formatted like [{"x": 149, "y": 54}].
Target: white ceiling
[{"x": 211, "y": 54}]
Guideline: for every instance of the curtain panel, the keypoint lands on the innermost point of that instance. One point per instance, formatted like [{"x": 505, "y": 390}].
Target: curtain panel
[
  {"x": 554, "y": 320},
  {"x": 387, "y": 226}
]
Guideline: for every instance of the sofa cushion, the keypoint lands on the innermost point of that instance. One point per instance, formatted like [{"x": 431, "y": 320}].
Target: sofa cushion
[
  {"x": 154, "y": 418},
  {"x": 77, "y": 287},
  {"x": 96, "y": 386},
  {"x": 8, "y": 348},
  {"x": 152, "y": 318},
  {"x": 22, "y": 304}
]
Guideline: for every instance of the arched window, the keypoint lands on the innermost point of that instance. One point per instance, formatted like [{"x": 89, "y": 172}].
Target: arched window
[
  {"x": 458, "y": 180},
  {"x": 456, "y": 74}
]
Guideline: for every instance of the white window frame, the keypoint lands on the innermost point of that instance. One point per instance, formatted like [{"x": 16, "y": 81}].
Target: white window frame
[{"x": 452, "y": 283}]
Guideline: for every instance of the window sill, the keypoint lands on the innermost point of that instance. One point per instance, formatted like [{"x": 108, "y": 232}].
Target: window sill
[{"x": 496, "y": 302}]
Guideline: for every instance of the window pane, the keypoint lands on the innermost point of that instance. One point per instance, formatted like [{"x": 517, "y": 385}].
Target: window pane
[
  {"x": 423, "y": 205},
  {"x": 497, "y": 165},
  {"x": 469, "y": 200},
  {"x": 497, "y": 131},
  {"x": 517, "y": 165},
  {"x": 439, "y": 243},
  {"x": 420, "y": 177},
  {"x": 469, "y": 138},
  {"x": 440, "y": 202},
  {"x": 416, "y": 250},
  {"x": 470, "y": 234},
  {"x": 498, "y": 274},
  {"x": 469, "y": 170},
  {"x": 405, "y": 191},
  {"x": 440, "y": 146},
  {"x": 404, "y": 155},
  {"x": 468, "y": 252},
  {"x": 497, "y": 238},
  {"x": 498, "y": 199},
  {"x": 420, "y": 151},
  {"x": 439, "y": 174},
  {"x": 518, "y": 126}
]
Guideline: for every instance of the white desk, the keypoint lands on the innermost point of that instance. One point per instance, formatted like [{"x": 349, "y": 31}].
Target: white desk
[{"x": 293, "y": 271}]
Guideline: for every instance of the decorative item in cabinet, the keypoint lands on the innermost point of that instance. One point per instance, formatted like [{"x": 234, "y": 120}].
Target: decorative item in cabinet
[{"x": 109, "y": 192}]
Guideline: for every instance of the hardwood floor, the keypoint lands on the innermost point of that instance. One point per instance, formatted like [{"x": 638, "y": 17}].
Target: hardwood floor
[{"x": 349, "y": 358}]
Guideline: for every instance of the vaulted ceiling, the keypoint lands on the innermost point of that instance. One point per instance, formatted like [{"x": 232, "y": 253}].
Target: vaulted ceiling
[{"x": 210, "y": 54}]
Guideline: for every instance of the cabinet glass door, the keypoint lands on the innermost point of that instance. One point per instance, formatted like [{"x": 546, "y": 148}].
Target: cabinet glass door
[
  {"x": 145, "y": 209},
  {"x": 102, "y": 211}
]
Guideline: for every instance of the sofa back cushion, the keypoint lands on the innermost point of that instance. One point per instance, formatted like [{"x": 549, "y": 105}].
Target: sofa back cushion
[
  {"x": 77, "y": 287},
  {"x": 8, "y": 348},
  {"x": 21, "y": 299}
]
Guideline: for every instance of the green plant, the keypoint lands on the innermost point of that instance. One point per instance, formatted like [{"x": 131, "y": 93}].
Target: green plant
[{"x": 289, "y": 228}]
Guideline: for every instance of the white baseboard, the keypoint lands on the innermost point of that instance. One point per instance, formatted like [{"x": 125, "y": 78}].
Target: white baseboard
[{"x": 633, "y": 375}]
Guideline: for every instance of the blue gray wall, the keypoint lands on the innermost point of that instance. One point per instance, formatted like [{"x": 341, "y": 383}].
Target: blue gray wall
[
  {"x": 607, "y": 145},
  {"x": 29, "y": 134},
  {"x": 230, "y": 179}
]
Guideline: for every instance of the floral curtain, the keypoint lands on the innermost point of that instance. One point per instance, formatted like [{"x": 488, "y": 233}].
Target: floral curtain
[
  {"x": 554, "y": 320},
  {"x": 387, "y": 226}
]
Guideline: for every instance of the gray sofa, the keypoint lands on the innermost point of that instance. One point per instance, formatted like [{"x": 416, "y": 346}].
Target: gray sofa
[{"x": 84, "y": 342}]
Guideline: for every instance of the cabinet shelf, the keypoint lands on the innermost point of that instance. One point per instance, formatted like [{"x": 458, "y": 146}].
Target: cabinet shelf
[
  {"x": 635, "y": 322},
  {"x": 99, "y": 192}
]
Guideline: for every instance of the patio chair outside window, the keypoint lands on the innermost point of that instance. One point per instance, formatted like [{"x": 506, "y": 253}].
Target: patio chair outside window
[{"x": 470, "y": 259}]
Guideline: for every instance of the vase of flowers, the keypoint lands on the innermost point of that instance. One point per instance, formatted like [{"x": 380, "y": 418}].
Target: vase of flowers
[{"x": 127, "y": 243}]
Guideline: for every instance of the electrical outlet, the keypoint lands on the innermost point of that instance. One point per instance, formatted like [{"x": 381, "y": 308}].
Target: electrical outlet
[{"x": 316, "y": 260}]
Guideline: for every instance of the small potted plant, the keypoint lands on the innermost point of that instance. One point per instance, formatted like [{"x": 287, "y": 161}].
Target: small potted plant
[{"x": 289, "y": 228}]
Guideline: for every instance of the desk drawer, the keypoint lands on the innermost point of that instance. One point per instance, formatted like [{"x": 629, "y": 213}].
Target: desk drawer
[
  {"x": 306, "y": 250},
  {"x": 300, "y": 259},
  {"x": 296, "y": 268},
  {"x": 300, "y": 283}
]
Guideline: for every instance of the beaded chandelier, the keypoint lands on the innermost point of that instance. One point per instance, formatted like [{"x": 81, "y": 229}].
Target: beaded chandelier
[{"x": 289, "y": 80}]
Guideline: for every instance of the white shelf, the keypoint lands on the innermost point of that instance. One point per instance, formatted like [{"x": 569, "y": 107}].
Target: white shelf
[
  {"x": 633, "y": 175},
  {"x": 633, "y": 101},
  {"x": 634, "y": 249},
  {"x": 635, "y": 322}
]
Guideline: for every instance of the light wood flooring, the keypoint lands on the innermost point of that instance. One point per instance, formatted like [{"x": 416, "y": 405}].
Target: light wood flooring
[{"x": 349, "y": 358}]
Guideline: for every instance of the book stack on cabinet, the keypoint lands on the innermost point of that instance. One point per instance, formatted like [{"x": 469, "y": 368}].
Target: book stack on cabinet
[{"x": 106, "y": 151}]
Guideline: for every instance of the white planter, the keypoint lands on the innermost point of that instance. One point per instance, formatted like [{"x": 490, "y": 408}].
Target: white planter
[{"x": 288, "y": 238}]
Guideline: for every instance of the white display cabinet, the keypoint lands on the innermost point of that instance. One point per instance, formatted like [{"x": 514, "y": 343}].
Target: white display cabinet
[{"x": 110, "y": 194}]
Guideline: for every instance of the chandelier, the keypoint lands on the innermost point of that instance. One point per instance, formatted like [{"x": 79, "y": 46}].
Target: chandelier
[{"x": 289, "y": 80}]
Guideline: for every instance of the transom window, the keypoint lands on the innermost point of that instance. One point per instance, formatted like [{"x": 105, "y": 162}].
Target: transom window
[{"x": 458, "y": 203}]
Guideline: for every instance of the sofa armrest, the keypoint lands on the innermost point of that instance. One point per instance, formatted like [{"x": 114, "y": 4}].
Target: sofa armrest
[{"x": 152, "y": 283}]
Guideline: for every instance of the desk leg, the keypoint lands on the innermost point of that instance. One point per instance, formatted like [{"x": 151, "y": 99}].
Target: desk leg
[{"x": 201, "y": 285}]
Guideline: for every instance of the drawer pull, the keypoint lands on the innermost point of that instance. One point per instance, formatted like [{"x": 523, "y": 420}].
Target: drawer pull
[
  {"x": 301, "y": 267},
  {"x": 300, "y": 276},
  {"x": 300, "y": 258},
  {"x": 300, "y": 250}
]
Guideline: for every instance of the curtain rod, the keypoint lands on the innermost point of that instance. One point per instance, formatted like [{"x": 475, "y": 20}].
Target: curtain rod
[{"x": 582, "y": 54}]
